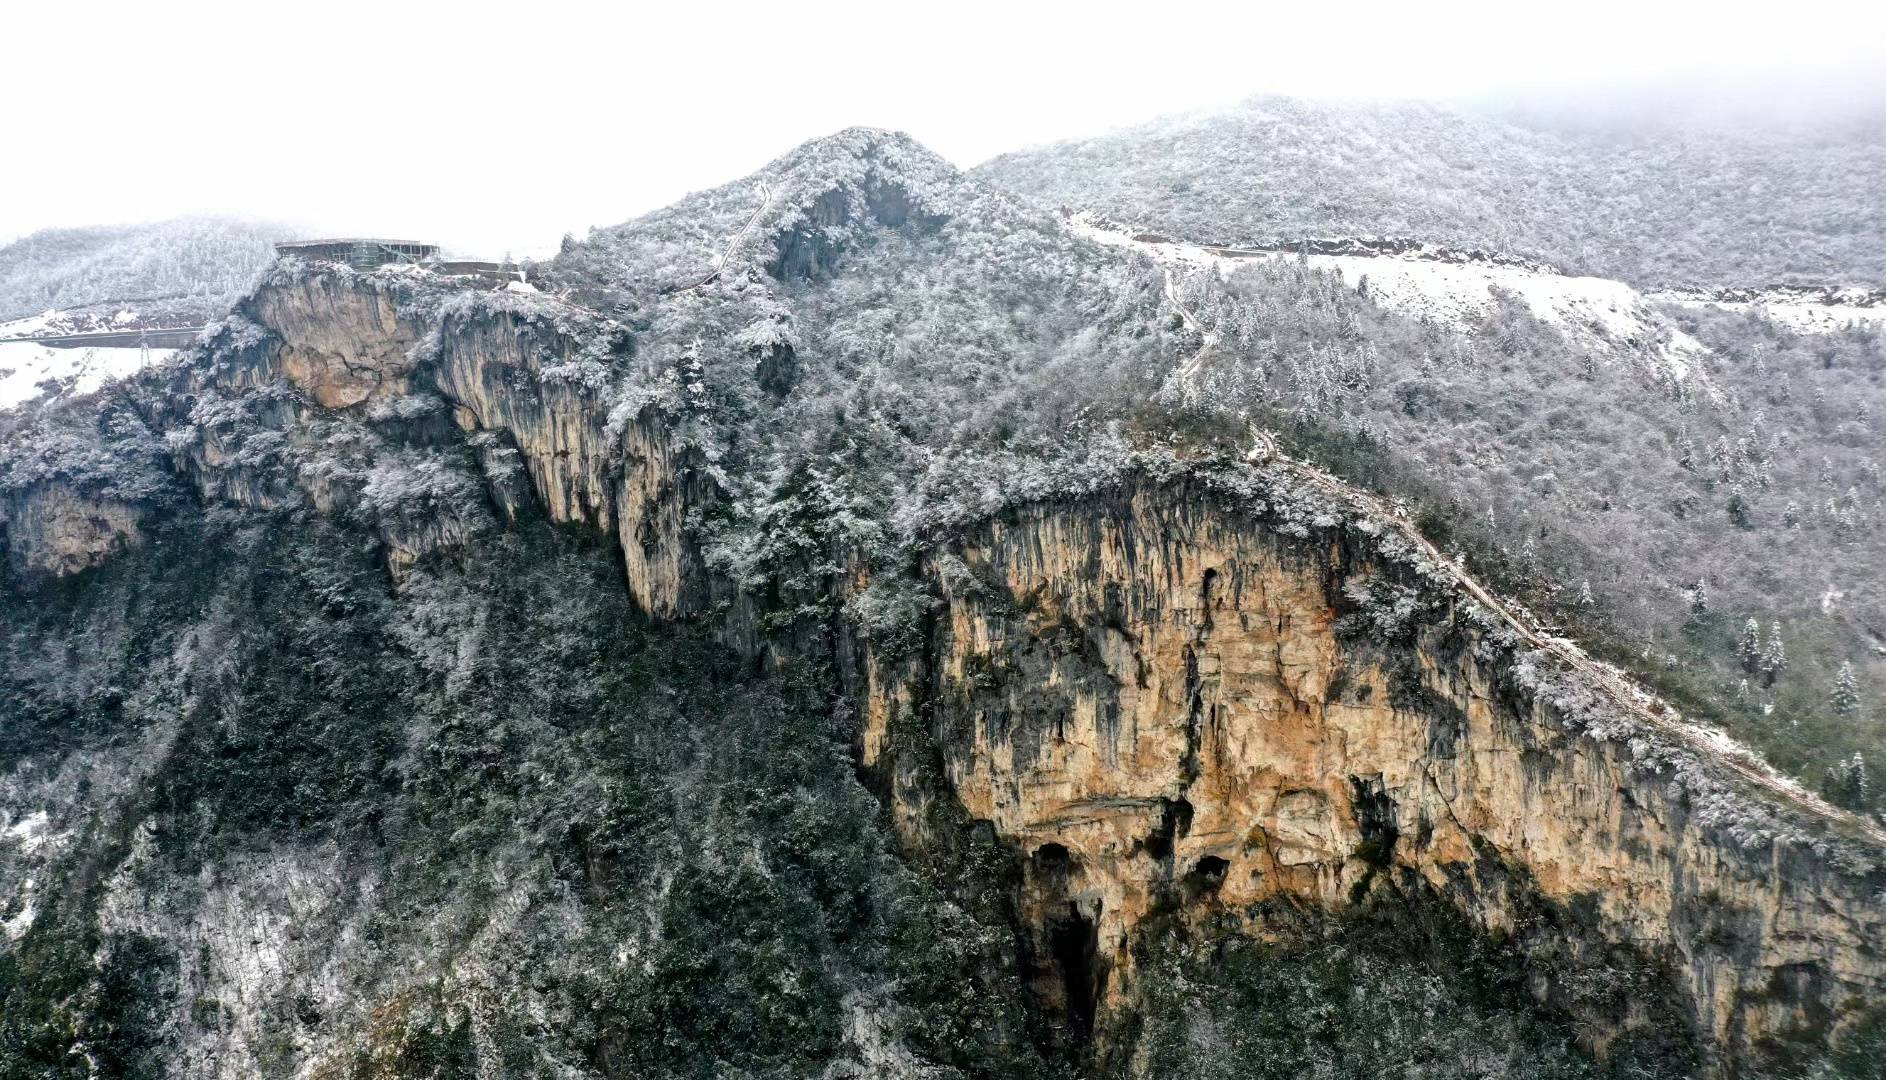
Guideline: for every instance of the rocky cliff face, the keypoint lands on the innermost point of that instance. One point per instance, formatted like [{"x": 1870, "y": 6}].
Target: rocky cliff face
[
  {"x": 57, "y": 530},
  {"x": 1171, "y": 709},
  {"x": 340, "y": 344},
  {"x": 319, "y": 351},
  {"x": 1166, "y": 702}
]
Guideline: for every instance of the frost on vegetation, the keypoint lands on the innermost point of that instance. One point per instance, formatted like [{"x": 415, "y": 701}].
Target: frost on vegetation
[
  {"x": 412, "y": 483},
  {"x": 890, "y": 613},
  {"x": 405, "y": 407},
  {"x": 233, "y": 333},
  {"x": 501, "y": 462},
  {"x": 102, "y": 448},
  {"x": 1384, "y": 612}
]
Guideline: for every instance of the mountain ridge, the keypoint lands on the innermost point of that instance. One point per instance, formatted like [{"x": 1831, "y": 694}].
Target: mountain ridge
[
  {"x": 856, "y": 613},
  {"x": 1454, "y": 177}
]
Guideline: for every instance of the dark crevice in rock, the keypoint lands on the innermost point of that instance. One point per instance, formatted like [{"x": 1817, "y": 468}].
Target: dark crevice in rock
[
  {"x": 1194, "y": 716},
  {"x": 1175, "y": 821},
  {"x": 1073, "y": 942},
  {"x": 1375, "y": 818},
  {"x": 1204, "y": 878}
]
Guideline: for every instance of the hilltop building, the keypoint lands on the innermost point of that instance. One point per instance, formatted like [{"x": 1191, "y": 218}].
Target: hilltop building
[{"x": 361, "y": 253}]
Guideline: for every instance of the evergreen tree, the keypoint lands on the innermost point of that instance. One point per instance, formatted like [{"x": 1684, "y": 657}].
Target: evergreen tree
[
  {"x": 1846, "y": 691},
  {"x": 1774, "y": 656},
  {"x": 1738, "y": 505},
  {"x": 1750, "y": 647},
  {"x": 1847, "y": 783},
  {"x": 1699, "y": 597}
]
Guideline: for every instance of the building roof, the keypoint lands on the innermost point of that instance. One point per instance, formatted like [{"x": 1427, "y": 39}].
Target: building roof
[{"x": 349, "y": 241}]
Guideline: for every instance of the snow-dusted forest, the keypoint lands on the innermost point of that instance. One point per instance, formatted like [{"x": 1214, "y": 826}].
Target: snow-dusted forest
[
  {"x": 335, "y": 616},
  {"x": 207, "y": 261},
  {"x": 1654, "y": 204}
]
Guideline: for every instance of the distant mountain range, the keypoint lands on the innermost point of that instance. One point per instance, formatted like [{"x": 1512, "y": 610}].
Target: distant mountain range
[
  {"x": 196, "y": 264},
  {"x": 1655, "y": 206}
]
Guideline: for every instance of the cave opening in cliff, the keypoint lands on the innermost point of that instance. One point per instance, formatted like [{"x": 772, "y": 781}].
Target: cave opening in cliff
[
  {"x": 1175, "y": 820},
  {"x": 1205, "y": 876},
  {"x": 1375, "y": 820},
  {"x": 1053, "y": 860},
  {"x": 1073, "y": 942}
]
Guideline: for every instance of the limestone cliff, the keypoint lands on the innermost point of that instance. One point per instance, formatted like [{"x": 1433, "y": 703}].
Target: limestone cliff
[
  {"x": 341, "y": 344},
  {"x": 55, "y": 529},
  {"x": 313, "y": 350},
  {"x": 1168, "y": 705},
  {"x": 1170, "y": 699}
]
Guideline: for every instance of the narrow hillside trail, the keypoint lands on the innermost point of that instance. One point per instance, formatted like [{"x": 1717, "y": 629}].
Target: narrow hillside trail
[
  {"x": 1712, "y": 745},
  {"x": 766, "y": 200},
  {"x": 1640, "y": 702},
  {"x": 1207, "y": 339}
]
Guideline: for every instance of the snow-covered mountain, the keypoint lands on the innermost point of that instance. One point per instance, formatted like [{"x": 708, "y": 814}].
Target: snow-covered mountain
[
  {"x": 198, "y": 264},
  {"x": 1458, "y": 290},
  {"x": 1717, "y": 206},
  {"x": 858, "y": 622}
]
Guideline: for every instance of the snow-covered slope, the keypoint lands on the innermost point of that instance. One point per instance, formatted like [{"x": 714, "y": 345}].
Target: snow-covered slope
[
  {"x": 29, "y": 370},
  {"x": 1802, "y": 308},
  {"x": 1456, "y": 290}
]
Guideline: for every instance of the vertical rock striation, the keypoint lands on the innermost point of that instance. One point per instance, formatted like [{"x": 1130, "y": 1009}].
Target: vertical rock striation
[
  {"x": 55, "y": 529},
  {"x": 1168, "y": 704},
  {"x": 1169, "y": 708}
]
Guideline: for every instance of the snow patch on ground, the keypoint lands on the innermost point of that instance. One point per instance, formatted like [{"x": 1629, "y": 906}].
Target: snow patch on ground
[
  {"x": 1602, "y": 314},
  {"x": 30, "y": 832},
  {"x": 29, "y": 370},
  {"x": 1798, "y": 310},
  {"x": 22, "y": 921}
]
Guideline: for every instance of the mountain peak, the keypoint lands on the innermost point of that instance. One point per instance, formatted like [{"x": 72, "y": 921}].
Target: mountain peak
[{"x": 784, "y": 215}]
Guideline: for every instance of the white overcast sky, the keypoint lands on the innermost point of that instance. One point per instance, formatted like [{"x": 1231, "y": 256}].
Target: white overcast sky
[{"x": 493, "y": 126}]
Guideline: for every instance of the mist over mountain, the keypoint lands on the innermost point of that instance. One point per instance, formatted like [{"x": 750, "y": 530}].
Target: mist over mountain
[{"x": 1654, "y": 205}]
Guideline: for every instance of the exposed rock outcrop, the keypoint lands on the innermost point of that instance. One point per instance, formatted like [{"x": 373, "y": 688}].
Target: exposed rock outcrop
[
  {"x": 491, "y": 368},
  {"x": 825, "y": 229},
  {"x": 1168, "y": 706},
  {"x": 515, "y": 376},
  {"x": 341, "y": 344},
  {"x": 55, "y": 529},
  {"x": 1166, "y": 702}
]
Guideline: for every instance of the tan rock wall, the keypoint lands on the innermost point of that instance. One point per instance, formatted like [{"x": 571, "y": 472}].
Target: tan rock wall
[
  {"x": 1150, "y": 698},
  {"x": 342, "y": 344},
  {"x": 490, "y": 369},
  {"x": 55, "y": 529}
]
